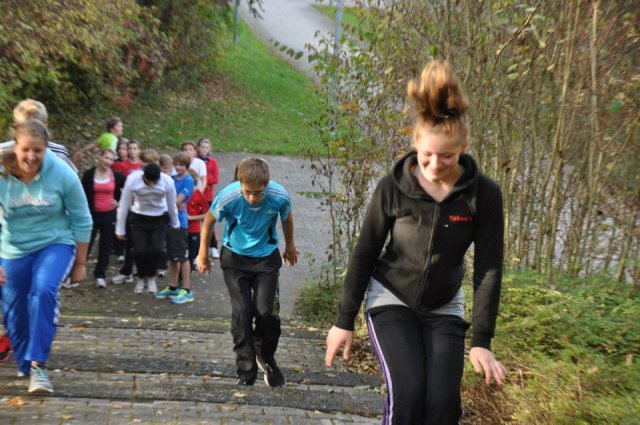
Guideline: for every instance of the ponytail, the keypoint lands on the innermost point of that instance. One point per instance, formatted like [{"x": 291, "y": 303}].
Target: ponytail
[{"x": 439, "y": 101}]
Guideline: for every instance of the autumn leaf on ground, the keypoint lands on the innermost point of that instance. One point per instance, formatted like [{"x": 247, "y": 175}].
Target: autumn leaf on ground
[{"x": 16, "y": 402}]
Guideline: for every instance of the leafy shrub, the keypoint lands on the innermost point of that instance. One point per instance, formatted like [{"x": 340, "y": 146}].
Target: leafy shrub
[
  {"x": 317, "y": 303},
  {"x": 77, "y": 52},
  {"x": 193, "y": 28},
  {"x": 571, "y": 350}
]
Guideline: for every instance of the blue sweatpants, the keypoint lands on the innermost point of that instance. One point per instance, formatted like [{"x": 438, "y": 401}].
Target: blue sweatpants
[{"x": 30, "y": 300}]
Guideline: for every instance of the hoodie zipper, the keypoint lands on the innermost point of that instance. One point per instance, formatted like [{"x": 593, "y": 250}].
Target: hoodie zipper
[{"x": 425, "y": 274}]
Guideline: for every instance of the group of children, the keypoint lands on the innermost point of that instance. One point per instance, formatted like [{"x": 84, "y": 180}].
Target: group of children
[
  {"x": 160, "y": 208},
  {"x": 193, "y": 173}
]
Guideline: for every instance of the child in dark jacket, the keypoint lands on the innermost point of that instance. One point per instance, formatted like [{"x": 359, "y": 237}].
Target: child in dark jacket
[{"x": 102, "y": 185}]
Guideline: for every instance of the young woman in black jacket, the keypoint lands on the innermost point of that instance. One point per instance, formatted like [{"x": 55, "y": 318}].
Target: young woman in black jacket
[
  {"x": 102, "y": 186},
  {"x": 429, "y": 210}
]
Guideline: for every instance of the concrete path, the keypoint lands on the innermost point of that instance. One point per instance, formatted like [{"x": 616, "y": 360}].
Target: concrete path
[{"x": 293, "y": 23}]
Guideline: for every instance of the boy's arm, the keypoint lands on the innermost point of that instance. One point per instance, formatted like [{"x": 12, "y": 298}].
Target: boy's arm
[
  {"x": 180, "y": 202},
  {"x": 202, "y": 261},
  {"x": 81, "y": 154},
  {"x": 290, "y": 255}
]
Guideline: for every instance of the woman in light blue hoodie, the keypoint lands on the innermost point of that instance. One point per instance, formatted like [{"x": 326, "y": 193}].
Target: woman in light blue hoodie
[{"x": 46, "y": 228}]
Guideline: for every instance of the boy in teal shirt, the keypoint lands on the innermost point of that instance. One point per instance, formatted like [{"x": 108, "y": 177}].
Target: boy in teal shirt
[{"x": 250, "y": 262}]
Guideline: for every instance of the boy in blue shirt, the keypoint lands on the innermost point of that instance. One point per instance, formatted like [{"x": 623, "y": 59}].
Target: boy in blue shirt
[
  {"x": 178, "y": 239},
  {"x": 250, "y": 262}
]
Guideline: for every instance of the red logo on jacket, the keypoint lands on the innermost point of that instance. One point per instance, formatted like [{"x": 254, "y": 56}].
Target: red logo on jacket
[{"x": 460, "y": 218}]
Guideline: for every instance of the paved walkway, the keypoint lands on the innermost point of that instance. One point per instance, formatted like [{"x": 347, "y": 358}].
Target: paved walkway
[
  {"x": 294, "y": 23},
  {"x": 122, "y": 358}
]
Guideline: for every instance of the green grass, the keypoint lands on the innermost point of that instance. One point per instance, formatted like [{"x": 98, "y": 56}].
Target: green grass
[
  {"x": 253, "y": 101},
  {"x": 349, "y": 14}
]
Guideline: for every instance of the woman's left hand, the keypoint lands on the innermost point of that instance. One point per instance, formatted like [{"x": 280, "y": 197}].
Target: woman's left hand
[
  {"x": 483, "y": 360},
  {"x": 78, "y": 273}
]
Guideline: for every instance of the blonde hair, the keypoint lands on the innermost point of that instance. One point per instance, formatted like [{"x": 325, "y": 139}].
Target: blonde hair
[
  {"x": 32, "y": 127},
  {"x": 165, "y": 160},
  {"x": 439, "y": 102},
  {"x": 30, "y": 108},
  {"x": 182, "y": 158},
  {"x": 254, "y": 171},
  {"x": 149, "y": 155},
  {"x": 108, "y": 150}
]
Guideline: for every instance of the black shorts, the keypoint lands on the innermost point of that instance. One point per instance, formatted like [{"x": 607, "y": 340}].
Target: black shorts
[{"x": 177, "y": 245}]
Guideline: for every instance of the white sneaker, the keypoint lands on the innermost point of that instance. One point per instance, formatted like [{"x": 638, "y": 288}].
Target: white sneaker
[
  {"x": 161, "y": 273},
  {"x": 67, "y": 284},
  {"x": 213, "y": 253},
  {"x": 122, "y": 278},
  {"x": 101, "y": 283},
  {"x": 152, "y": 288},
  {"x": 139, "y": 288}
]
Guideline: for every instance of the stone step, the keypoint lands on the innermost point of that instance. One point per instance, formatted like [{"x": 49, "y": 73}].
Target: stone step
[
  {"x": 130, "y": 367},
  {"x": 82, "y": 344},
  {"x": 147, "y": 387},
  {"x": 83, "y": 411}
]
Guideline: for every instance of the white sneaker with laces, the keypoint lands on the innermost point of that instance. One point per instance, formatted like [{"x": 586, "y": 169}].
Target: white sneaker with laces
[
  {"x": 139, "y": 288},
  {"x": 152, "y": 288},
  {"x": 101, "y": 283},
  {"x": 213, "y": 252},
  {"x": 39, "y": 382}
]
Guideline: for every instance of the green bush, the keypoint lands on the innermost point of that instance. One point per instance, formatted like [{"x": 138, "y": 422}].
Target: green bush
[
  {"x": 193, "y": 28},
  {"x": 595, "y": 314},
  {"x": 317, "y": 304},
  {"x": 76, "y": 52},
  {"x": 572, "y": 351}
]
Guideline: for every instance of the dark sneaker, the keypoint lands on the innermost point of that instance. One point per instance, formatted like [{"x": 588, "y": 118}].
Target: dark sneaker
[
  {"x": 272, "y": 375},
  {"x": 5, "y": 349},
  {"x": 246, "y": 380},
  {"x": 39, "y": 381}
]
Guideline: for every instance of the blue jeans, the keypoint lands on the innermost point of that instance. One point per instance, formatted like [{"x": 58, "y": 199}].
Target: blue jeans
[
  {"x": 30, "y": 300},
  {"x": 422, "y": 358}
]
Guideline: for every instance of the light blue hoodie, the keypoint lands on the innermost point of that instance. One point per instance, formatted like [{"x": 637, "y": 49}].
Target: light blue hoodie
[{"x": 52, "y": 208}]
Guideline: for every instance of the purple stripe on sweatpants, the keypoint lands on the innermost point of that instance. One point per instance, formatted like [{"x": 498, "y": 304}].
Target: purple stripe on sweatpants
[{"x": 388, "y": 406}]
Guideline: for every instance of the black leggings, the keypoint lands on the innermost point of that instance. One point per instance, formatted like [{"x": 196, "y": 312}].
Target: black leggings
[
  {"x": 148, "y": 234},
  {"x": 422, "y": 359},
  {"x": 105, "y": 223}
]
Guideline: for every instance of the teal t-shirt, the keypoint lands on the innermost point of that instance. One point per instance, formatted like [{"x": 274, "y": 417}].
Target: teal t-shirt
[{"x": 255, "y": 225}]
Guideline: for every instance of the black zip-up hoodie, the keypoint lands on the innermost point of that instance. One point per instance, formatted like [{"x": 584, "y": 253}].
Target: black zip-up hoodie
[{"x": 423, "y": 260}]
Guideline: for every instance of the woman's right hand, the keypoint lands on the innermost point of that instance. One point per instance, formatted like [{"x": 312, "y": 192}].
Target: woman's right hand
[
  {"x": 2, "y": 276},
  {"x": 338, "y": 339}
]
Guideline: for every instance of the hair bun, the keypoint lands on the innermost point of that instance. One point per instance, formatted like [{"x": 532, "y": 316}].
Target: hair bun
[{"x": 437, "y": 94}]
